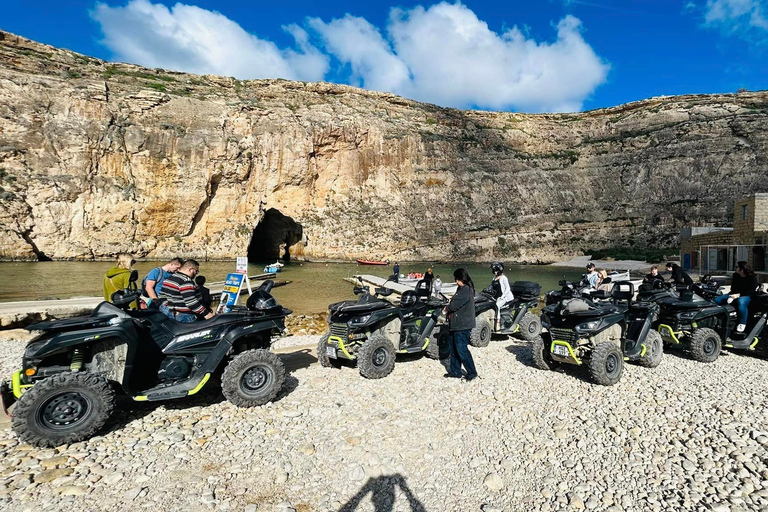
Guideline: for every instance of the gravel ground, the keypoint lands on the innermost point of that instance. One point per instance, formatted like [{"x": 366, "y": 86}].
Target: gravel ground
[{"x": 686, "y": 436}]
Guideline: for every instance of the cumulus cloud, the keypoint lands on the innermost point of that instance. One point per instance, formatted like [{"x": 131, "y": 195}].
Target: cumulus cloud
[
  {"x": 196, "y": 40},
  {"x": 441, "y": 54},
  {"x": 737, "y": 16}
]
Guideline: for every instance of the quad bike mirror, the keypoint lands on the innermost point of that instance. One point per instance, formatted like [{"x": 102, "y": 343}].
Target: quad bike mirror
[
  {"x": 384, "y": 292},
  {"x": 358, "y": 290},
  {"x": 267, "y": 286},
  {"x": 124, "y": 298},
  {"x": 134, "y": 276}
]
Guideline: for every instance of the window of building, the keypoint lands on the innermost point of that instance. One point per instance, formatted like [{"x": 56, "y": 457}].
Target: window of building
[{"x": 744, "y": 210}]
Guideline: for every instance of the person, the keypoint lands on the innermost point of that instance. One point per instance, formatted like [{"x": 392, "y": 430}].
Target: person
[
  {"x": 153, "y": 283},
  {"x": 591, "y": 277},
  {"x": 461, "y": 321},
  {"x": 183, "y": 300},
  {"x": 679, "y": 277},
  {"x": 501, "y": 290},
  {"x": 205, "y": 293},
  {"x": 437, "y": 286},
  {"x": 396, "y": 272},
  {"x": 118, "y": 277},
  {"x": 652, "y": 276},
  {"x": 743, "y": 287},
  {"x": 429, "y": 277}
]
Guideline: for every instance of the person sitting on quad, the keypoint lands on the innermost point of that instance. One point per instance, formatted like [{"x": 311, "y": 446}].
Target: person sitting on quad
[
  {"x": 117, "y": 278},
  {"x": 501, "y": 289},
  {"x": 437, "y": 286},
  {"x": 591, "y": 277},
  {"x": 184, "y": 302},
  {"x": 153, "y": 282},
  {"x": 743, "y": 287},
  {"x": 652, "y": 276},
  {"x": 679, "y": 277}
]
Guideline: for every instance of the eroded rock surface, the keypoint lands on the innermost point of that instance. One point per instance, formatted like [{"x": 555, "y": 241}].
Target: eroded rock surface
[{"x": 97, "y": 158}]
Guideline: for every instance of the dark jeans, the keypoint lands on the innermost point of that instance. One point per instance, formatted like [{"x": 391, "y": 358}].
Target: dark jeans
[
  {"x": 460, "y": 355},
  {"x": 741, "y": 304},
  {"x": 185, "y": 318}
]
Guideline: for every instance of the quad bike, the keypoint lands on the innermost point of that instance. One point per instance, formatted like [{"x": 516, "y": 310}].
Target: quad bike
[
  {"x": 372, "y": 330},
  {"x": 70, "y": 373},
  {"x": 600, "y": 336},
  {"x": 515, "y": 317},
  {"x": 704, "y": 328}
]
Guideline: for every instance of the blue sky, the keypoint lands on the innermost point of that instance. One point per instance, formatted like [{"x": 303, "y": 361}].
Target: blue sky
[{"x": 548, "y": 55}]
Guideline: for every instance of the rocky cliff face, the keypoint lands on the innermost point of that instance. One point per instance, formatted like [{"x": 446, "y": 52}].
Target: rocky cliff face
[{"x": 97, "y": 158}]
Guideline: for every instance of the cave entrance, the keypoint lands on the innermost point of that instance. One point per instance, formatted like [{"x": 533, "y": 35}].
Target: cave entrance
[{"x": 273, "y": 237}]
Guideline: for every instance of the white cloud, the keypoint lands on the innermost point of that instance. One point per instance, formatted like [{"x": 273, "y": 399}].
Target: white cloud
[
  {"x": 442, "y": 54},
  {"x": 737, "y": 16},
  {"x": 196, "y": 40}
]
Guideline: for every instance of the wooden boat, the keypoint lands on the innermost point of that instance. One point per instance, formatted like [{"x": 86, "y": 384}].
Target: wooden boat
[{"x": 371, "y": 262}]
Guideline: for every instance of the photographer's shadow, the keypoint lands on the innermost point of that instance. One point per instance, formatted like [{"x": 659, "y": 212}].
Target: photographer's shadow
[{"x": 382, "y": 491}]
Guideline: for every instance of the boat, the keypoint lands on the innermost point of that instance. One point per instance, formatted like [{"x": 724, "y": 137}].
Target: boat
[
  {"x": 371, "y": 262},
  {"x": 274, "y": 268}
]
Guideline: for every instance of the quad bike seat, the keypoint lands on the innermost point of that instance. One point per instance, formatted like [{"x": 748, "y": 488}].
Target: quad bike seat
[{"x": 177, "y": 328}]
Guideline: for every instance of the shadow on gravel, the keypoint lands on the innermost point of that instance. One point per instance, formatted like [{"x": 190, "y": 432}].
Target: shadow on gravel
[
  {"x": 382, "y": 490},
  {"x": 523, "y": 354},
  {"x": 297, "y": 360}
]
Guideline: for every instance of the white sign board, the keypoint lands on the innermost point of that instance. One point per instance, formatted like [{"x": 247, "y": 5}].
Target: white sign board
[{"x": 242, "y": 265}]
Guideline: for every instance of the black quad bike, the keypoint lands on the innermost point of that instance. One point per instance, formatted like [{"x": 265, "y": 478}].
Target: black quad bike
[
  {"x": 71, "y": 372},
  {"x": 704, "y": 328},
  {"x": 372, "y": 330},
  {"x": 600, "y": 336},
  {"x": 515, "y": 317}
]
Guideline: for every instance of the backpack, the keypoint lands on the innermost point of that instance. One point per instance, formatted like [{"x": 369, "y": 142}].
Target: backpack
[{"x": 144, "y": 281}]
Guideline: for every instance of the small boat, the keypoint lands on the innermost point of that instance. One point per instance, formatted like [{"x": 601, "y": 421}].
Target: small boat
[
  {"x": 273, "y": 268},
  {"x": 371, "y": 262}
]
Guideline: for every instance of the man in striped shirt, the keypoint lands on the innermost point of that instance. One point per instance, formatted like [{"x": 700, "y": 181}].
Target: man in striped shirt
[{"x": 183, "y": 300}]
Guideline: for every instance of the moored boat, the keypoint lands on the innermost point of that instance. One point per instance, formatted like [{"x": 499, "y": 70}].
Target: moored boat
[{"x": 372, "y": 262}]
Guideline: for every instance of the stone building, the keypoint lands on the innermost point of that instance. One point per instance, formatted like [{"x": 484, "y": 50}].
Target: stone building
[{"x": 708, "y": 249}]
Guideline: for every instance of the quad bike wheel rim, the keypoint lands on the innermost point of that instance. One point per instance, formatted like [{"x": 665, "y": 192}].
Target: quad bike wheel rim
[
  {"x": 485, "y": 333},
  {"x": 611, "y": 364},
  {"x": 710, "y": 346},
  {"x": 256, "y": 379},
  {"x": 379, "y": 357},
  {"x": 532, "y": 328},
  {"x": 63, "y": 410}
]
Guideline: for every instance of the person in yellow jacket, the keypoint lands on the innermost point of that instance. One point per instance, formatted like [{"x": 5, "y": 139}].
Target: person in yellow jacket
[{"x": 117, "y": 277}]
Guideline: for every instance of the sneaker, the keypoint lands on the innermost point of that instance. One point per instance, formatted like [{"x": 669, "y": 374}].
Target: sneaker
[
  {"x": 451, "y": 376},
  {"x": 740, "y": 328},
  {"x": 468, "y": 379}
]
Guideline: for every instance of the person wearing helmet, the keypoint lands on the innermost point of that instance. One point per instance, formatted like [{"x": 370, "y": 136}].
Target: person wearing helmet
[{"x": 501, "y": 290}]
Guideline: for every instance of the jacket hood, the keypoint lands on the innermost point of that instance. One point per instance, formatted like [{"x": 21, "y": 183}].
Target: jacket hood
[{"x": 116, "y": 271}]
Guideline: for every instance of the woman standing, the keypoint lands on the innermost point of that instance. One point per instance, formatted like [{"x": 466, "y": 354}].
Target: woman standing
[
  {"x": 117, "y": 277},
  {"x": 461, "y": 320}
]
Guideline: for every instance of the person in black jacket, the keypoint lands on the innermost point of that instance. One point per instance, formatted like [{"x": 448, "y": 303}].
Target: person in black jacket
[
  {"x": 743, "y": 287},
  {"x": 678, "y": 274},
  {"x": 461, "y": 320}
]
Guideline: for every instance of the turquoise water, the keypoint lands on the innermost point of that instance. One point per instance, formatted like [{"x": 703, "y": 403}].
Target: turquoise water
[{"x": 313, "y": 285}]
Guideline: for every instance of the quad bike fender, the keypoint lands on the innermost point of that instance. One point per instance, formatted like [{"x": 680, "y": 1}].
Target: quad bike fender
[
  {"x": 270, "y": 325},
  {"x": 390, "y": 330}
]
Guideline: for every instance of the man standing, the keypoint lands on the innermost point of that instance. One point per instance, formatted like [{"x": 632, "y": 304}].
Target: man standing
[
  {"x": 396, "y": 272},
  {"x": 153, "y": 283},
  {"x": 184, "y": 302}
]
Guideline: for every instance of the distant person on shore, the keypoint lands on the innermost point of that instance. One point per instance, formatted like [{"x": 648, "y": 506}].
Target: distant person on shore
[
  {"x": 743, "y": 287},
  {"x": 118, "y": 277},
  {"x": 396, "y": 272},
  {"x": 429, "y": 277},
  {"x": 183, "y": 300},
  {"x": 591, "y": 277},
  {"x": 461, "y": 321},
  {"x": 437, "y": 287},
  {"x": 153, "y": 283},
  {"x": 205, "y": 293},
  {"x": 679, "y": 277}
]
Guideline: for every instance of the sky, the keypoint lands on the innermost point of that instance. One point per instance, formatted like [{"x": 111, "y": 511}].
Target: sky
[{"x": 513, "y": 55}]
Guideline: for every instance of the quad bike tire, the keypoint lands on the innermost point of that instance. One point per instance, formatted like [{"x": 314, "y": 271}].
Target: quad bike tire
[
  {"x": 606, "y": 364},
  {"x": 63, "y": 409},
  {"x": 376, "y": 358},
  {"x": 541, "y": 357},
  {"x": 444, "y": 344},
  {"x": 530, "y": 327},
  {"x": 322, "y": 355},
  {"x": 433, "y": 349},
  {"x": 480, "y": 336},
  {"x": 705, "y": 345},
  {"x": 654, "y": 351},
  {"x": 253, "y": 378}
]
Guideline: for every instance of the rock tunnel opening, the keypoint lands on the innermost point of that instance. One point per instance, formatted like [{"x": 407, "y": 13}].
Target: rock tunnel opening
[{"x": 273, "y": 237}]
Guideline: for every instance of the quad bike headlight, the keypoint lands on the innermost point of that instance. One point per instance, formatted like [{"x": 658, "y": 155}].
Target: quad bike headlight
[
  {"x": 687, "y": 315},
  {"x": 360, "y": 320},
  {"x": 588, "y": 326}
]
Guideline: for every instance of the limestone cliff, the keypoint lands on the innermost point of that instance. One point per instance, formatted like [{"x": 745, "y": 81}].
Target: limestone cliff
[{"x": 97, "y": 158}]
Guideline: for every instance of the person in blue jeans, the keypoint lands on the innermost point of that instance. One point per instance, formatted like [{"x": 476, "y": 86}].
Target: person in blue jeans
[
  {"x": 743, "y": 287},
  {"x": 461, "y": 321}
]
